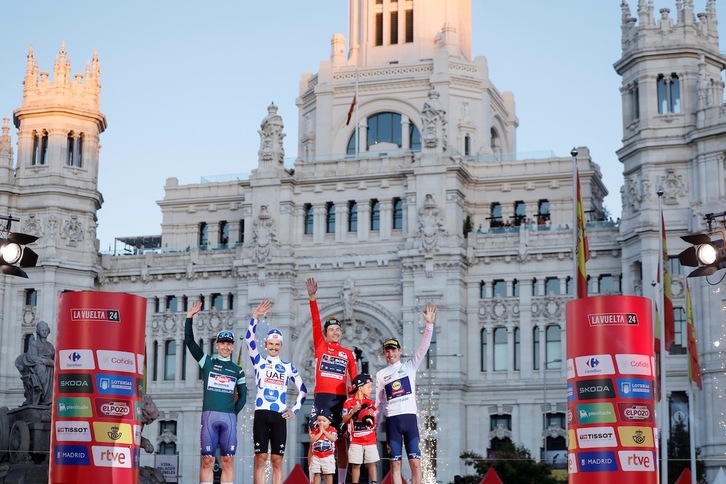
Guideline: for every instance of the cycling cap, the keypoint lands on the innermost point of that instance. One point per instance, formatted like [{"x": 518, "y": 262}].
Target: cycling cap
[
  {"x": 225, "y": 336},
  {"x": 392, "y": 343},
  {"x": 274, "y": 335},
  {"x": 330, "y": 322},
  {"x": 325, "y": 412},
  {"x": 359, "y": 381}
]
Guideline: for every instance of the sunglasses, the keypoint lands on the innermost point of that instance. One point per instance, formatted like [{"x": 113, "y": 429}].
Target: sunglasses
[{"x": 225, "y": 335}]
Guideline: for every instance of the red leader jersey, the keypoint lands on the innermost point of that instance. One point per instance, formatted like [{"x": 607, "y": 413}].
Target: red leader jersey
[
  {"x": 332, "y": 361},
  {"x": 358, "y": 431}
]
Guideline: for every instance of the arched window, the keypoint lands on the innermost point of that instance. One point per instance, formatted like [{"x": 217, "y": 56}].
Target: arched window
[
  {"x": 386, "y": 128},
  {"x": 352, "y": 216},
  {"x": 40, "y": 148},
  {"x": 330, "y": 218},
  {"x": 397, "y": 213},
  {"x": 669, "y": 93}
]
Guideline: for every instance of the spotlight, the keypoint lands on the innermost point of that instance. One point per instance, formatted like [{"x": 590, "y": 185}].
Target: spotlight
[
  {"x": 706, "y": 255},
  {"x": 14, "y": 254}
]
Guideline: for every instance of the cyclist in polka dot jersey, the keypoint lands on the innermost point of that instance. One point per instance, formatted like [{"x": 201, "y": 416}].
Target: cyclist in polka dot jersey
[{"x": 272, "y": 377}]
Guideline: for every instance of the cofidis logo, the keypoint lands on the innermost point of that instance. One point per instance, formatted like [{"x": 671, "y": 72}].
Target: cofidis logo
[
  {"x": 78, "y": 359},
  {"x": 629, "y": 364},
  {"x": 115, "y": 385},
  {"x": 71, "y": 455},
  {"x": 74, "y": 407},
  {"x": 116, "y": 361}
]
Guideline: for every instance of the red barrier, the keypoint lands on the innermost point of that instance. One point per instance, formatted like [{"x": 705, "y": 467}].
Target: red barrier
[
  {"x": 611, "y": 391},
  {"x": 99, "y": 366}
]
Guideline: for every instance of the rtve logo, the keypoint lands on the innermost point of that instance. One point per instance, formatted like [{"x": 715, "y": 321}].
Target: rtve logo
[
  {"x": 637, "y": 460},
  {"x": 108, "y": 456}
]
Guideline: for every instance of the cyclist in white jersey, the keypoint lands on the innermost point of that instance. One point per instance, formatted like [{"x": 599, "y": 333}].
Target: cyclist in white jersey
[
  {"x": 396, "y": 399},
  {"x": 272, "y": 377}
]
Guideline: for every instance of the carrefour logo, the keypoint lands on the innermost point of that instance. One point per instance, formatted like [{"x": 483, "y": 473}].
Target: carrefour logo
[
  {"x": 116, "y": 361},
  {"x": 594, "y": 365},
  {"x": 76, "y": 359}
]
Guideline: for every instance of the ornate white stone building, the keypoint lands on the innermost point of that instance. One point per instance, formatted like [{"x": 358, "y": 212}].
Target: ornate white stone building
[{"x": 416, "y": 194}]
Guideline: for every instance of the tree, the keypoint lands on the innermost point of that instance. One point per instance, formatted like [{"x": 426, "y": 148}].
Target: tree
[
  {"x": 514, "y": 465},
  {"x": 679, "y": 454}
]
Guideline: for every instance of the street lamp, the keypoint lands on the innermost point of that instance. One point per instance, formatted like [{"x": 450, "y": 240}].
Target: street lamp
[
  {"x": 427, "y": 469},
  {"x": 544, "y": 397}
]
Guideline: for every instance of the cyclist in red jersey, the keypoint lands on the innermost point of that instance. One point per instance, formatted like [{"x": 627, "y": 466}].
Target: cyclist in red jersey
[{"x": 334, "y": 365}]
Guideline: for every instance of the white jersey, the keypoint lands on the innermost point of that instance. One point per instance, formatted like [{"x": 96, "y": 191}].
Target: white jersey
[
  {"x": 272, "y": 376},
  {"x": 396, "y": 383}
]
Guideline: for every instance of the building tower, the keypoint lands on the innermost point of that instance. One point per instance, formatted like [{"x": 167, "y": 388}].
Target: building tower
[
  {"x": 53, "y": 189},
  {"x": 674, "y": 135}
]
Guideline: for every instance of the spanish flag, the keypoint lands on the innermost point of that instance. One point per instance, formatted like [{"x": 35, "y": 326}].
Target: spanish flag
[
  {"x": 583, "y": 252},
  {"x": 668, "y": 316},
  {"x": 656, "y": 347},
  {"x": 694, "y": 366},
  {"x": 350, "y": 111}
]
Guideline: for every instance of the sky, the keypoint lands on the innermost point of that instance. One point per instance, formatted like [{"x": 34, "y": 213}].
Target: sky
[{"x": 186, "y": 83}]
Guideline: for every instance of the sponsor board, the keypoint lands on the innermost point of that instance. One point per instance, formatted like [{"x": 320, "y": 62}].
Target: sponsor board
[
  {"x": 612, "y": 319},
  {"x": 636, "y": 437},
  {"x": 116, "y": 361},
  {"x": 637, "y": 460},
  {"x": 113, "y": 433},
  {"x": 570, "y": 368},
  {"x": 71, "y": 455},
  {"x": 593, "y": 365},
  {"x": 571, "y": 463},
  {"x": 109, "y": 456},
  {"x": 630, "y": 364},
  {"x": 636, "y": 412},
  {"x": 571, "y": 440},
  {"x": 72, "y": 431},
  {"x": 570, "y": 392},
  {"x": 590, "y": 413},
  {"x": 635, "y": 388},
  {"x": 119, "y": 408},
  {"x": 73, "y": 407},
  {"x": 596, "y": 437},
  {"x": 75, "y": 383},
  {"x": 115, "y": 385},
  {"x": 602, "y": 461},
  {"x": 76, "y": 359},
  {"x": 91, "y": 314},
  {"x": 595, "y": 389},
  {"x": 140, "y": 364}
]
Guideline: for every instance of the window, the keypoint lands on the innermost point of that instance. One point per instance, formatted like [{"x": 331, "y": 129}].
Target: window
[
  {"x": 669, "y": 94},
  {"x": 520, "y": 212},
  {"x": 330, "y": 218},
  {"x": 241, "y": 239},
  {"x": 40, "y": 148},
  {"x": 223, "y": 233},
  {"x": 636, "y": 101},
  {"x": 397, "y": 214},
  {"x": 27, "y": 339},
  {"x": 213, "y": 347},
  {"x": 352, "y": 216},
  {"x": 201, "y": 345},
  {"x": 499, "y": 288},
  {"x": 535, "y": 348},
  {"x": 31, "y": 297},
  {"x": 553, "y": 346},
  {"x": 500, "y": 349},
  {"x": 384, "y": 128},
  {"x": 483, "y": 350},
  {"x": 217, "y": 301},
  {"x": 515, "y": 288},
  {"x": 415, "y": 136},
  {"x": 409, "y": 26},
  {"x": 184, "y": 303},
  {"x": 379, "y": 29},
  {"x": 157, "y": 306},
  {"x": 167, "y": 427},
  {"x": 308, "y": 219},
  {"x": 517, "y": 346},
  {"x": 375, "y": 215},
  {"x": 155, "y": 352},
  {"x": 495, "y": 217},
  {"x": 482, "y": 290},
  {"x": 467, "y": 145},
  {"x": 171, "y": 303},
  {"x": 608, "y": 284},
  {"x": 70, "y": 146},
  {"x": 503, "y": 421},
  {"x": 543, "y": 212},
  {"x": 680, "y": 324},
  {"x": 552, "y": 286},
  {"x": 675, "y": 267},
  {"x": 203, "y": 234},
  {"x": 169, "y": 359},
  {"x": 394, "y": 27},
  {"x": 230, "y": 301}
]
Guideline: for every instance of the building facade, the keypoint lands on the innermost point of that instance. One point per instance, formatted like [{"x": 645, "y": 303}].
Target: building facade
[{"x": 406, "y": 189}]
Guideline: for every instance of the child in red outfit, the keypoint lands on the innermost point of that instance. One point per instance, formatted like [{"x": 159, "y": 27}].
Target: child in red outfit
[
  {"x": 359, "y": 415},
  {"x": 322, "y": 441}
]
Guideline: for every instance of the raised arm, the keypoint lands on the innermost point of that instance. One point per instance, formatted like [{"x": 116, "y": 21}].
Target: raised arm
[
  {"x": 261, "y": 310},
  {"x": 312, "y": 288},
  {"x": 189, "y": 341},
  {"x": 429, "y": 315}
]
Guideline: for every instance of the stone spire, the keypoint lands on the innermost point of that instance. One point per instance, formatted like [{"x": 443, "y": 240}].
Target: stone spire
[{"x": 6, "y": 152}]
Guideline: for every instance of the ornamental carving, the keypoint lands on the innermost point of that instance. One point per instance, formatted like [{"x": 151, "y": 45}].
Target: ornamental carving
[
  {"x": 264, "y": 236},
  {"x": 430, "y": 226},
  {"x": 72, "y": 230},
  {"x": 33, "y": 226},
  {"x": 673, "y": 186},
  {"x": 433, "y": 121},
  {"x": 637, "y": 189},
  {"x": 271, "y": 136}
]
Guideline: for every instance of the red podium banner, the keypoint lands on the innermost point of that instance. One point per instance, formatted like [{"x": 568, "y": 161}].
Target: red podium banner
[
  {"x": 611, "y": 391},
  {"x": 99, "y": 367}
]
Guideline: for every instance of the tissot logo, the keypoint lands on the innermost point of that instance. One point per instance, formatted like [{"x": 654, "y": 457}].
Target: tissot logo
[
  {"x": 88, "y": 314},
  {"x": 593, "y": 437},
  {"x": 598, "y": 388},
  {"x": 75, "y": 383},
  {"x": 72, "y": 431},
  {"x": 77, "y": 359},
  {"x": 637, "y": 460}
]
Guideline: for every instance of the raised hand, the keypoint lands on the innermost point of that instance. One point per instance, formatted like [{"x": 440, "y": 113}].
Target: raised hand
[
  {"x": 312, "y": 287},
  {"x": 429, "y": 314},
  {"x": 196, "y": 307},
  {"x": 262, "y": 309}
]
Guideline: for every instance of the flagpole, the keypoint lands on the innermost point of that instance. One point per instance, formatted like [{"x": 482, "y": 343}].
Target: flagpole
[
  {"x": 664, "y": 419},
  {"x": 692, "y": 431},
  {"x": 575, "y": 226},
  {"x": 355, "y": 98}
]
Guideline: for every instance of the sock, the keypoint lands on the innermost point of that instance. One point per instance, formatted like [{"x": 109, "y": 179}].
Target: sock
[{"x": 342, "y": 474}]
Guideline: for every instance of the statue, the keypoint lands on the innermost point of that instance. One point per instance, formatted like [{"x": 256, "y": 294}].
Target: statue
[{"x": 36, "y": 368}]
